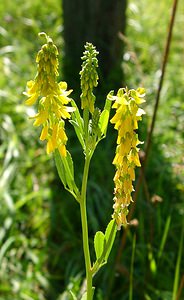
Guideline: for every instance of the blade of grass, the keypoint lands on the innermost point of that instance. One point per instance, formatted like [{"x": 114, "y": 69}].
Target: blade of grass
[
  {"x": 178, "y": 263},
  {"x": 164, "y": 237}
]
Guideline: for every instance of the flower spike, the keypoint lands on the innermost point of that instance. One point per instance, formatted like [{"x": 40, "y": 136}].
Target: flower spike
[
  {"x": 89, "y": 77},
  {"x": 52, "y": 98},
  {"x": 126, "y": 159}
]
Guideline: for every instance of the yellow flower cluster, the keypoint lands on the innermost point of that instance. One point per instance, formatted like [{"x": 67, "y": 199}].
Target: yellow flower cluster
[
  {"x": 52, "y": 98},
  {"x": 126, "y": 159}
]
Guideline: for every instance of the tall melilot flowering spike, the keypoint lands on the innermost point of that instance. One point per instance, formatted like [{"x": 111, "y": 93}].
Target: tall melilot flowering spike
[
  {"x": 89, "y": 77},
  {"x": 126, "y": 159},
  {"x": 52, "y": 98}
]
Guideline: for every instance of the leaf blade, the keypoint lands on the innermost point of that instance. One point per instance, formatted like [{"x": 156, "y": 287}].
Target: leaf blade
[
  {"x": 110, "y": 235},
  {"x": 60, "y": 168},
  {"x": 99, "y": 240}
]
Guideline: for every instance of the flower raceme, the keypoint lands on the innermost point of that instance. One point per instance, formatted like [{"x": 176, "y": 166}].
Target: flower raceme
[
  {"x": 89, "y": 77},
  {"x": 126, "y": 158},
  {"x": 52, "y": 98}
]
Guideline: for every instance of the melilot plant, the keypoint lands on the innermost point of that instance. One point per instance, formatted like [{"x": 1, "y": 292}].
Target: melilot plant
[{"x": 55, "y": 108}]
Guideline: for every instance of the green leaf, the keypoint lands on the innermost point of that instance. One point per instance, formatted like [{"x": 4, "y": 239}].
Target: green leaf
[
  {"x": 77, "y": 123},
  {"x": 110, "y": 235},
  {"x": 78, "y": 132},
  {"x": 60, "y": 167},
  {"x": 76, "y": 116},
  {"x": 99, "y": 243},
  {"x": 109, "y": 99},
  {"x": 103, "y": 245},
  {"x": 70, "y": 163},
  {"x": 104, "y": 117},
  {"x": 66, "y": 171},
  {"x": 103, "y": 122},
  {"x": 70, "y": 173}
]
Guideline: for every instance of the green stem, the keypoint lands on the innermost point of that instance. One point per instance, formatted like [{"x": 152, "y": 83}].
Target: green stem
[{"x": 85, "y": 230}]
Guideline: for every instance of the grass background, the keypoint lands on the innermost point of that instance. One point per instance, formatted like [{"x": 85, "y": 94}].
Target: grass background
[{"x": 40, "y": 237}]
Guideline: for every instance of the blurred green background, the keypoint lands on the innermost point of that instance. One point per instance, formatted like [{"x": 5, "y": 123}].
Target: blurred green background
[{"x": 40, "y": 233}]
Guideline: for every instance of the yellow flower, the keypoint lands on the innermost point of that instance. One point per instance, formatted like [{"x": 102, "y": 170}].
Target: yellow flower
[
  {"x": 126, "y": 158},
  {"x": 41, "y": 117},
  {"x": 134, "y": 157},
  {"x": 52, "y": 99},
  {"x": 31, "y": 100},
  {"x": 62, "y": 150},
  {"x": 50, "y": 147},
  {"x": 44, "y": 133}
]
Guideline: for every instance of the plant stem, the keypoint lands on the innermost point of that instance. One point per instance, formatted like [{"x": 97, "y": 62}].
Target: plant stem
[{"x": 85, "y": 229}]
